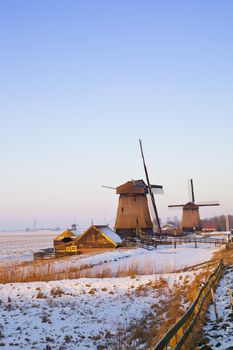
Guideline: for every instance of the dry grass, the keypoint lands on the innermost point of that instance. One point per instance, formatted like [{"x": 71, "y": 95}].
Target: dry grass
[
  {"x": 35, "y": 271},
  {"x": 48, "y": 270},
  {"x": 225, "y": 254}
]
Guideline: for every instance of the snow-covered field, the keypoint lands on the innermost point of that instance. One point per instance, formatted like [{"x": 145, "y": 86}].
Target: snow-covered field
[
  {"x": 219, "y": 334},
  {"x": 162, "y": 259},
  {"x": 89, "y": 313},
  {"x": 80, "y": 314},
  {"x": 20, "y": 245}
]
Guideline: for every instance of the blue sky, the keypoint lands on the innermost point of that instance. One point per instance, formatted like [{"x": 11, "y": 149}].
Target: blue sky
[{"x": 81, "y": 81}]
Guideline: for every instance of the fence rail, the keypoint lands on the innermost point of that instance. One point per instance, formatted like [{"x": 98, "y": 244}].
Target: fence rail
[
  {"x": 178, "y": 334},
  {"x": 180, "y": 240},
  {"x": 44, "y": 253},
  {"x": 206, "y": 264}
]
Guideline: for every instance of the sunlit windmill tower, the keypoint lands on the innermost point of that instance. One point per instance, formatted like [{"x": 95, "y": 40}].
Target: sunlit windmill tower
[
  {"x": 190, "y": 216},
  {"x": 133, "y": 215}
]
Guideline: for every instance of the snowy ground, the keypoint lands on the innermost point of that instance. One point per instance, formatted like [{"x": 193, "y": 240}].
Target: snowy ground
[
  {"x": 79, "y": 314},
  {"x": 20, "y": 245},
  {"x": 219, "y": 334},
  {"x": 163, "y": 259},
  {"x": 88, "y": 313}
]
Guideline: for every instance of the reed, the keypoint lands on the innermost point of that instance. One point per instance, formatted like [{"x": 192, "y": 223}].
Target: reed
[{"x": 49, "y": 270}]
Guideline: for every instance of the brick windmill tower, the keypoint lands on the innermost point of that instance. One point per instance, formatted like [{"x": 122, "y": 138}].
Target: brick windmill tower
[
  {"x": 190, "y": 216},
  {"x": 133, "y": 216}
]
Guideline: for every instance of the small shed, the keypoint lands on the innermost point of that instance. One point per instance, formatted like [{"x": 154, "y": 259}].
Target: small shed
[{"x": 66, "y": 236}]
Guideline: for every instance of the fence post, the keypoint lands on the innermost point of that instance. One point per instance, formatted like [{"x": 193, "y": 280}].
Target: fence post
[
  {"x": 215, "y": 307},
  {"x": 231, "y": 298},
  {"x": 172, "y": 342},
  {"x": 195, "y": 243}
]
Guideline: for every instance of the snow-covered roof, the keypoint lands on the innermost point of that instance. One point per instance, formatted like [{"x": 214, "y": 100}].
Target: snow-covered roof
[{"x": 107, "y": 231}]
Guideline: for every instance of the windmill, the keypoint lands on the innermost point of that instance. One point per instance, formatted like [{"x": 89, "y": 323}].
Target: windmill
[
  {"x": 190, "y": 217},
  {"x": 133, "y": 215}
]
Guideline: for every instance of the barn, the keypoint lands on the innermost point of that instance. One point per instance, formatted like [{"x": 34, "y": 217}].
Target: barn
[{"x": 96, "y": 237}]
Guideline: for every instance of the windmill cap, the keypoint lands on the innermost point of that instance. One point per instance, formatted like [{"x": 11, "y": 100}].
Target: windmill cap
[
  {"x": 190, "y": 206},
  {"x": 132, "y": 187}
]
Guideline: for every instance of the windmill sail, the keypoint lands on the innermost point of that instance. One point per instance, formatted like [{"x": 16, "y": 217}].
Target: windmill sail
[
  {"x": 150, "y": 188},
  {"x": 208, "y": 204},
  {"x": 157, "y": 189},
  {"x": 192, "y": 190},
  {"x": 110, "y": 187}
]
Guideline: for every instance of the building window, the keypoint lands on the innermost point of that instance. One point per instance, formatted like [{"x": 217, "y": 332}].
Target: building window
[{"x": 122, "y": 209}]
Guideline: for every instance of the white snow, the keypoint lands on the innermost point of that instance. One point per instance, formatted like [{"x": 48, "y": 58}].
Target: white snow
[
  {"x": 162, "y": 259},
  {"x": 87, "y": 313},
  {"x": 20, "y": 245}
]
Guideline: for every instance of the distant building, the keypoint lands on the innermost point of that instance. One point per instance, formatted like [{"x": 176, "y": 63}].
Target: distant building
[
  {"x": 168, "y": 229},
  {"x": 208, "y": 227}
]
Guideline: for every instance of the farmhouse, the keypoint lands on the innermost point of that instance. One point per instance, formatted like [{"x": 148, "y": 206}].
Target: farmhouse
[{"x": 96, "y": 237}]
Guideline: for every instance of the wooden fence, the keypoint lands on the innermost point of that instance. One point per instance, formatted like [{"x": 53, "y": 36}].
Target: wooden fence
[
  {"x": 175, "y": 338},
  {"x": 151, "y": 244},
  {"x": 206, "y": 264},
  {"x": 195, "y": 240},
  {"x": 47, "y": 253}
]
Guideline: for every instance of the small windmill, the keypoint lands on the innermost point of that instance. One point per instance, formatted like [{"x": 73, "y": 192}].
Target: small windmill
[
  {"x": 133, "y": 216},
  {"x": 190, "y": 217}
]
